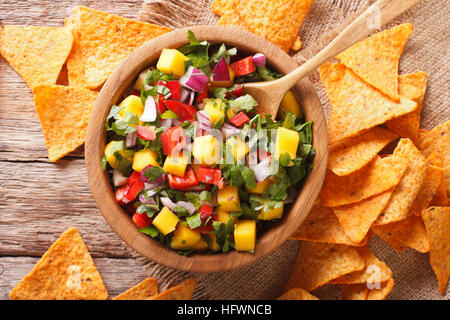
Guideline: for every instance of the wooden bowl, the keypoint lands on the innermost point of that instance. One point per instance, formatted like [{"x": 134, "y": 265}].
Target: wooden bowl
[{"x": 112, "y": 92}]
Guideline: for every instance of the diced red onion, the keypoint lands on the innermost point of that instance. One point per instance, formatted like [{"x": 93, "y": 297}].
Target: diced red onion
[
  {"x": 149, "y": 114},
  {"x": 262, "y": 170},
  {"x": 203, "y": 120},
  {"x": 188, "y": 147},
  {"x": 145, "y": 200},
  {"x": 185, "y": 94},
  {"x": 259, "y": 60},
  {"x": 187, "y": 205},
  {"x": 228, "y": 130},
  {"x": 131, "y": 139},
  {"x": 151, "y": 192},
  {"x": 167, "y": 203},
  {"x": 253, "y": 158},
  {"x": 191, "y": 98},
  {"x": 221, "y": 72},
  {"x": 165, "y": 123},
  {"x": 194, "y": 79},
  {"x": 176, "y": 122},
  {"x": 118, "y": 178}
]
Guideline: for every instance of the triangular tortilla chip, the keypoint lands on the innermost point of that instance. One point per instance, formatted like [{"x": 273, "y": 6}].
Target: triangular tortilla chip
[
  {"x": 352, "y": 154},
  {"x": 36, "y": 53},
  {"x": 406, "y": 191},
  {"x": 382, "y": 293},
  {"x": 376, "y": 58},
  {"x": 437, "y": 224},
  {"x": 65, "y": 272},
  {"x": 433, "y": 178},
  {"x": 360, "y": 107},
  {"x": 297, "y": 294},
  {"x": 411, "y": 86},
  {"x": 331, "y": 76},
  {"x": 319, "y": 263},
  {"x": 440, "y": 197},
  {"x": 354, "y": 291},
  {"x": 183, "y": 291},
  {"x": 64, "y": 113},
  {"x": 101, "y": 42},
  {"x": 438, "y": 140},
  {"x": 376, "y": 271},
  {"x": 321, "y": 225},
  {"x": 409, "y": 232},
  {"x": 380, "y": 175},
  {"x": 141, "y": 291},
  {"x": 357, "y": 218}
]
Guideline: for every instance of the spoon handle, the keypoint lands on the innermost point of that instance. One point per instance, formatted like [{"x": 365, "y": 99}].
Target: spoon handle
[{"x": 374, "y": 17}]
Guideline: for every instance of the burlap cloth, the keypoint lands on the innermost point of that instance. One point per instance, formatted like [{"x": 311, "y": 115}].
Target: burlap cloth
[{"x": 426, "y": 50}]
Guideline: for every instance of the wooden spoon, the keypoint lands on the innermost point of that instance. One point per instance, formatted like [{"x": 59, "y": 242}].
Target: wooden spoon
[{"x": 270, "y": 93}]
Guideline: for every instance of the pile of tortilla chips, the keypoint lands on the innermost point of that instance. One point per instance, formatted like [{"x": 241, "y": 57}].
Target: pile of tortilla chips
[
  {"x": 86, "y": 50},
  {"x": 276, "y": 20},
  {"x": 67, "y": 272},
  {"x": 401, "y": 195}
]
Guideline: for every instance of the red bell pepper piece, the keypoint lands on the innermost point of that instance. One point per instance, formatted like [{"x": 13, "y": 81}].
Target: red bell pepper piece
[
  {"x": 243, "y": 67},
  {"x": 207, "y": 217},
  {"x": 134, "y": 190},
  {"x": 160, "y": 104},
  {"x": 146, "y": 132},
  {"x": 184, "y": 111},
  {"x": 120, "y": 194},
  {"x": 173, "y": 139},
  {"x": 174, "y": 87},
  {"x": 237, "y": 92},
  {"x": 209, "y": 175},
  {"x": 189, "y": 180},
  {"x": 141, "y": 220},
  {"x": 202, "y": 95},
  {"x": 240, "y": 119},
  {"x": 135, "y": 177}
]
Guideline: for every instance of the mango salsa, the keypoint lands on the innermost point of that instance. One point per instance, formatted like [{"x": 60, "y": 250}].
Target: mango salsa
[
  {"x": 274, "y": 213},
  {"x": 216, "y": 110},
  {"x": 286, "y": 142},
  {"x": 132, "y": 104},
  {"x": 290, "y": 104},
  {"x": 228, "y": 199},
  {"x": 206, "y": 150},
  {"x": 171, "y": 61},
  {"x": 176, "y": 165},
  {"x": 186, "y": 239},
  {"x": 166, "y": 221},
  {"x": 118, "y": 156},
  {"x": 260, "y": 186},
  {"x": 143, "y": 158},
  {"x": 237, "y": 147},
  {"x": 245, "y": 235}
]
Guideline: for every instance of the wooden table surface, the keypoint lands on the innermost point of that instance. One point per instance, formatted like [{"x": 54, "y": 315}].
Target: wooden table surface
[{"x": 39, "y": 200}]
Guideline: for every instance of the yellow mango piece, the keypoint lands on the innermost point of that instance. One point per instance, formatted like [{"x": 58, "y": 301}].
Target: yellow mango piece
[
  {"x": 200, "y": 246},
  {"x": 215, "y": 109},
  {"x": 213, "y": 244},
  {"x": 287, "y": 141},
  {"x": 274, "y": 213},
  {"x": 184, "y": 238},
  {"x": 118, "y": 156},
  {"x": 290, "y": 104},
  {"x": 230, "y": 113},
  {"x": 260, "y": 186},
  {"x": 245, "y": 235},
  {"x": 228, "y": 199},
  {"x": 171, "y": 61},
  {"x": 143, "y": 158},
  {"x": 166, "y": 221},
  {"x": 176, "y": 165},
  {"x": 224, "y": 84},
  {"x": 206, "y": 150},
  {"x": 237, "y": 147},
  {"x": 132, "y": 104},
  {"x": 223, "y": 216}
]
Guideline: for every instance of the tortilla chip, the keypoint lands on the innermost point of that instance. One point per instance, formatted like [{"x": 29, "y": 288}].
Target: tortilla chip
[
  {"x": 438, "y": 140},
  {"x": 376, "y": 58},
  {"x": 354, "y": 291},
  {"x": 406, "y": 191},
  {"x": 297, "y": 294},
  {"x": 65, "y": 272},
  {"x": 357, "y": 218},
  {"x": 360, "y": 107},
  {"x": 381, "y": 294},
  {"x": 440, "y": 197},
  {"x": 433, "y": 178},
  {"x": 409, "y": 232},
  {"x": 141, "y": 291},
  {"x": 278, "y": 22},
  {"x": 437, "y": 224},
  {"x": 321, "y": 225},
  {"x": 319, "y": 263},
  {"x": 352, "y": 154},
  {"x": 375, "y": 271},
  {"x": 411, "y": 86},
  {"x": 64, "y": 113},
  {"x": 380, "y": 175},
  {"x": 220, "y": 7},
  {"x": 183, "y": 291},
  {"x": 101, "y": 42},
  {"x": 36, "y": 53},
  {"x": 331, "y": 76}
]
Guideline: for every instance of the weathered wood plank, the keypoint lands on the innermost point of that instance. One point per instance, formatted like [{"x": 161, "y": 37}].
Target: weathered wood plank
[{"x": 118, "y": 274}]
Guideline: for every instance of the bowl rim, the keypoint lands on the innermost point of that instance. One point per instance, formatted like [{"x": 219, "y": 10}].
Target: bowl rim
[{"x": 102, "y": 191}]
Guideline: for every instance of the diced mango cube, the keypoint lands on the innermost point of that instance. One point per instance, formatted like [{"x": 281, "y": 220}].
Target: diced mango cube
[
  {"x": 172, "y": 61},
  {"x": 176, "y": 165},
  {"x": 230, "y": 113},
  {"x": 274, "y": 213},
  {"x": 215, "y": 109},
  {"x": 143, "y": 158},
  {"x": 286, "y": 142},
  {"x": 245, "y": 235},
  {"x": 238, "y": 148},
  {"x": 223, "y": 216},
  {"x": 206, "y": 150},
  {"x": 184, "y": 238},
  {"x": 166, "y": 221},
  {"x": 118, "y": 156},
  {"x": 228, "y": 199},
  {"x": 261, "y": 186},
  {"x": 131, "y": 104},
  {"x": 290, "y": 104},
  {"x": 213, "y": 244},
  {"x": 200, "y": 246}
]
